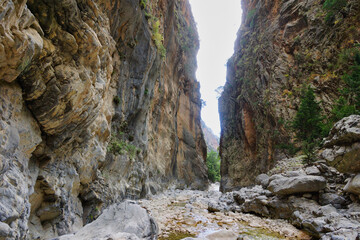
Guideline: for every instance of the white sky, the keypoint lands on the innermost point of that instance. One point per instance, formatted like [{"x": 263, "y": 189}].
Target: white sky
[{"x": 218, "y": 22}]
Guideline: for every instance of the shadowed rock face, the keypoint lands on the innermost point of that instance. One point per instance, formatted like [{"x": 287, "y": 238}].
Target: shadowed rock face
[
  {"x": 90, "y": 111},
  {"x": 281, "y": 45}
]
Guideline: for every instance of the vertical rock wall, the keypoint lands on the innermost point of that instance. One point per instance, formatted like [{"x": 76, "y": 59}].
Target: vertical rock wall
[
  {"x": 281, "y": 46},
  {"x": 92, "y": 111}
]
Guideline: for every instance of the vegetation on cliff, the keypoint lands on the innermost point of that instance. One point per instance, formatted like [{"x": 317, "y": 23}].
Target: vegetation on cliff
[
  {"x": 349, "y": 101},
  {"x": 310, "y": 125},
  {"x": 213, "y": 164}
]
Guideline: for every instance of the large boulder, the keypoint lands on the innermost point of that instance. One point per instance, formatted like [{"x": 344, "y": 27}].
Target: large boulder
[
  {"x": 298, "y": 184},
  {"x": 353, "y": 186},
  {"x": 342, "y": 147},
  {"x": 120, "y": 221}
]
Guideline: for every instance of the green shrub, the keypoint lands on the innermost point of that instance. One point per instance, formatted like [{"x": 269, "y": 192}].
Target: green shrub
[
  {"x": 116, "y": 100},
  {"x": 119, "y": 147},
  {"x": 290, "y": 148},
  {"x": 116, "y": 147},
  {"x": 349, "y": 101},
  {"x": 158, "y": 38},
  {"x": 143, "y": 4},
  {"x": 213, "y": 164},
  {"x": 332, "y": 7},
  {"x": 352, "y": 81},
  {"x": 342, "y": 109},
  {"x": 251, "y": 17}
]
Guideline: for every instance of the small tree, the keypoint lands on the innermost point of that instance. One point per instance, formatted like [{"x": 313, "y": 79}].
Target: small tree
[
  {"x": 308, "y": 124},
  {"x": 213, "y": 164},
  {"x": 308, "y": 119}
]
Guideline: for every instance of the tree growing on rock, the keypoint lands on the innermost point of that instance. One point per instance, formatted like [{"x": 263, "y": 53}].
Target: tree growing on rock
[{"x": 308, "y": 124}]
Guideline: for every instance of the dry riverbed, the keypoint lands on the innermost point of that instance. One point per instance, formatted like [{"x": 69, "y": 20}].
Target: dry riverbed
[{"x": 183, "y": 213}]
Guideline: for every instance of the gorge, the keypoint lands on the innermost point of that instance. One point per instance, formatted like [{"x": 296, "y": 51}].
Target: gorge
[{"x": 100, "y": 126}]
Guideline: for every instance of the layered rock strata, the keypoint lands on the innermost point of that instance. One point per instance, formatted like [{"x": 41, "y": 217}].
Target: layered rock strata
[
  {"x": 98, "y": 103},
  {"x": 281, "y": 46}
]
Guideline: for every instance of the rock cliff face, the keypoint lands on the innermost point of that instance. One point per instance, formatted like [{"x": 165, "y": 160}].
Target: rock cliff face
[
  {"x": 281, "y": 46},
  {"x": 212, "y": 141},
  {"x": 98, "y": 102}
]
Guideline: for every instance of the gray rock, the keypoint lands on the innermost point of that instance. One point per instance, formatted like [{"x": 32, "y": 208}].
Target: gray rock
[
  {"x": 354, "y": 207},
  {"x": 257, "y": 206},
  {"x": 127, "y": 220},
  {"x": 343, "y": 145},
  {"x": 5, "y": 230},
  {"x": 248, "y": 194},
  {"x": 342, "y": 234},
  {"x": 222, "y": 235},
  {"x": 331, "y": 198},
  {"x": 215, "y": 206},
  {"x": 263, "y": 180},
  {"x": 294, "y": 173},
  {"x": 299, "y": 184},
  {"x": 312, "y": 171},
  {"x": 353, "y": 186},
  {"x": 276, "y": 176},
  {"x": 345, "y": 131}
]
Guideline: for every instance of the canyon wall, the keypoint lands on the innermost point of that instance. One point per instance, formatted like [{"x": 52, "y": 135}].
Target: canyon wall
[
  {"x": 281, "y": 46},
  {"x": 212, "y": 141},
  {"x": 98, "y": 103}
]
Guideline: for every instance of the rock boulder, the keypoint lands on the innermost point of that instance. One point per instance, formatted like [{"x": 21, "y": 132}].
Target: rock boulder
[
  {"x": 120, "y": 221},
  {"x": 343, "y": 145},
  {"x": 353, "y": 186},
  {"x": 298, "y": 184}
]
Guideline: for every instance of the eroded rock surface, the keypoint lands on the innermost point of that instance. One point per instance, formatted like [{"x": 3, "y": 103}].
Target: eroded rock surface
[
  {"x": 120, "y": 221},
  {"x": 98, "y": 103},
  {"x": 342, "y": 146},
  {"x": 298, "y": 184},
  {"x": 281, "y": 45}
]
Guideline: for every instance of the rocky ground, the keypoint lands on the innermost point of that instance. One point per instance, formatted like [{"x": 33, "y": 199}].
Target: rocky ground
[
  {"x": 191, "y": 213},
  {"x": 183, "y": 214},
  {"x": 310, "y": 198},
  {"x": 316, "y": 198}
]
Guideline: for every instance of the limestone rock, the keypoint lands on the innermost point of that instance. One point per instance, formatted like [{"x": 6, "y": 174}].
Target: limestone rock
[
  {"x": 299, "y": 184},
  {"x": 125, "y": 220},
  {"x": 313, "y": 170},
  {"x": 91, "y": 113},
  {"x": 346, "y": 131},
  {"x": 353, "y": 186},
  {"x": 222, "y": 235},
  {"x": 331, "y": 198},
  {"x": 320, "y": 221},
  {"x": 342, "y": 147},
  {"x": 212, "y": 141},
  {"x": 263, "y": 180},
  {"x": 21, "y": 39},
  {"x": 5, "y": 231}
]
